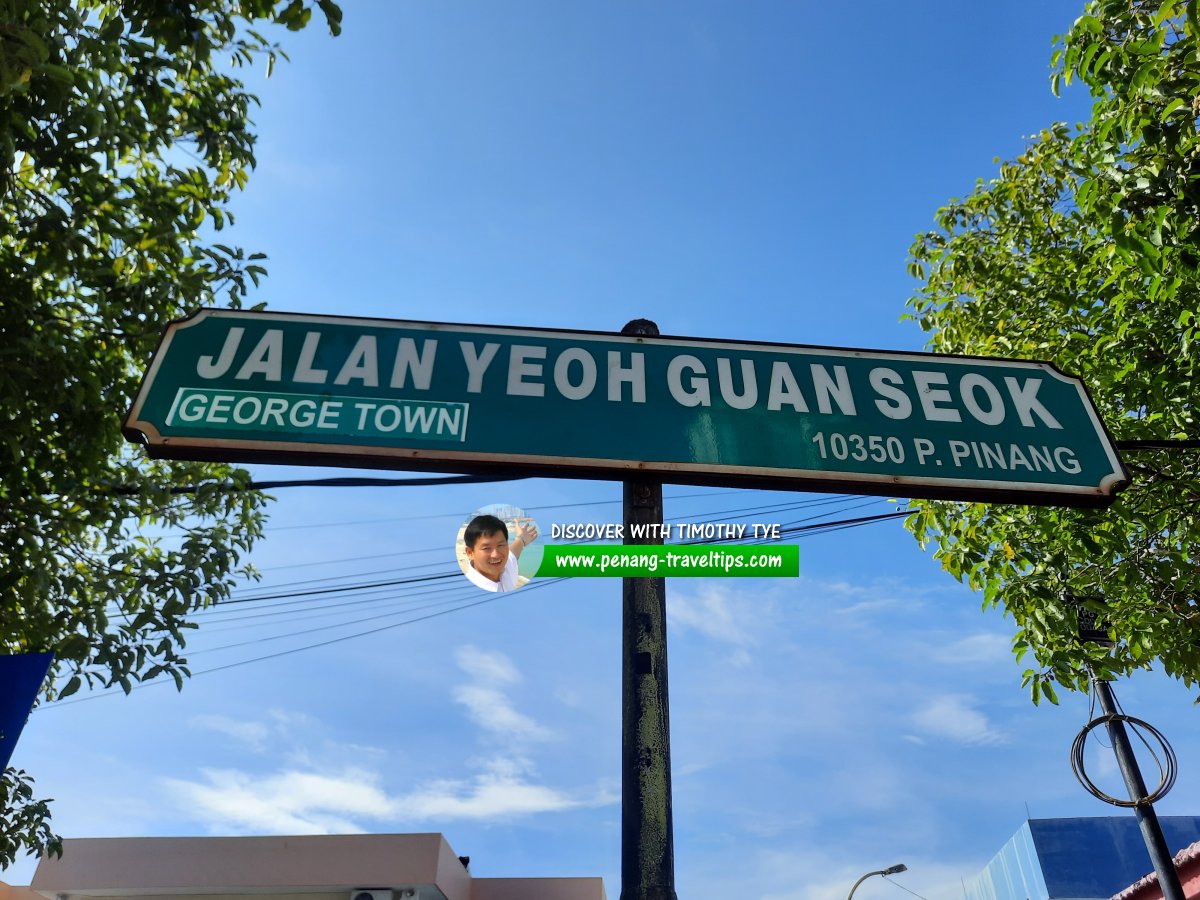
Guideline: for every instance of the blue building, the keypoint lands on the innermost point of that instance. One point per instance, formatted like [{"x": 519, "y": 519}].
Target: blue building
[{"x": 1075, "y": 859}]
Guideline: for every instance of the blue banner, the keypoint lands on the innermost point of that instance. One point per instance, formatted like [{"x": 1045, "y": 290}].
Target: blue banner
[{"x": 21, "y": 678}]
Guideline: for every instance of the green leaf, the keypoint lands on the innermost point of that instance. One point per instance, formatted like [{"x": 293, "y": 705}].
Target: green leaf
[
  {"x": 97, "y": 107},
  {"x": 1083, "y": 251},
  {"x": 1176, "y": 104},
  {"x": 60, "y": 74},
  {"x": 72, "y": 686}
]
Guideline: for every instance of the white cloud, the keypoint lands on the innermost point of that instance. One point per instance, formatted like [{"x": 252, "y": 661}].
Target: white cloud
[
  {"x": 289, "y": 802},
  {"x": 275, "y": 732},
  {"x": 975, "y": 649},
  {"x": 1102, "y": 764},
  {"x": 954, "y": 717},
  {"x": 491, "y": 667},
  {"x": 498, "y": 793},
  {"x": 713, "y": 611},
  {"x": 493, "y": 711},
  {"x": 796, "y": 877},
  {"x": 849, "y": 598},
  {"x": 253, "y": 734},
  {"x": 783, "y": 869},
  {"x": 295, "y": 802},
  {"x": 857, "y": 597},
  {"x": 288, "y": 170},
  {"x": 740, "y": 658},
  {"x": 307, "y": 797},
  {"x": 486, "y": 701}
]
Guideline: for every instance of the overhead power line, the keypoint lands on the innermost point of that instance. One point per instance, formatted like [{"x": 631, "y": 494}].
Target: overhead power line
[
  {"x": 126, "y": 490},
  {"x": 491, "y": 598},
  {"x": 1158, "y": 445},
  {"x": 339, "y": 589},
  {"x": 352, "y": 587},
  {"x": 419, "y": 591},
  {"x": 425, "y": 481},
  {"x": 821, "y": 500}
]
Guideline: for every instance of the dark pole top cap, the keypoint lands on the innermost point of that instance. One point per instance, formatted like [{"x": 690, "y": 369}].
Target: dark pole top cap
[{"x": 641, "y": 326}]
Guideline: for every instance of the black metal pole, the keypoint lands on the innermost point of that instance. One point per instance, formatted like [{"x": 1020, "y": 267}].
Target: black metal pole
[
  {"x": 1152, "y": 834},
  {"x": 647, "y": 841}
]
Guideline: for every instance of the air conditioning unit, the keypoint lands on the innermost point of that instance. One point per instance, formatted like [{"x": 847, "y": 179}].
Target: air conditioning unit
[{"x": 371, "y": 894}]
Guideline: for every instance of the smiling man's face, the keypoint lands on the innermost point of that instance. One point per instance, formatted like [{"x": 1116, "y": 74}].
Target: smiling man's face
[{"x": 489, "y": 555}]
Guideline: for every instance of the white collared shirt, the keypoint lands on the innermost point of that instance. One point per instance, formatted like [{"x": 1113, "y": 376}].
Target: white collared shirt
[{"x": 508, "y": 578}]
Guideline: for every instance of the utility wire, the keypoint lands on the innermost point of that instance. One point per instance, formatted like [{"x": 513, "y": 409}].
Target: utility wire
[
  {"x": 288, "y": 634},
  {"x": 245, "y": 662},
  {"x": 902, "y": 887},
  {"x": 1134, "y": 446},
  {"x": 789, "y": 528},
  {"x": 128, "y": 490},
  {"x": 290, "y": 598},
  {"x": 837, "y": 498},
  {"x": 302, "y": 609},
  {"x": 802, "y": 529},
  {"x": 286, "y": 604},
  {"x": 1129, "y": 445},
  {"x": 340, "y": 589},
  {"x": 318, "y": 611},
  {"x": 293, "y": 607},
  {"x": 313, "y": 581},
  {"x": 826, "y": 527}
]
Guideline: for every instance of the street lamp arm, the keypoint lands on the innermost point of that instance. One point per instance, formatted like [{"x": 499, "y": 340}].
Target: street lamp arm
[
  {"x": 850, "y": 896},
  {"x": 890, "y": 870}
]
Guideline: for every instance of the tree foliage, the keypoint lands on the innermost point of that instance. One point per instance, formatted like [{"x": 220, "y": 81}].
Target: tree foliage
[
  {"x": 124, "y": 133},
  {"x": 1085, "y": 251}
]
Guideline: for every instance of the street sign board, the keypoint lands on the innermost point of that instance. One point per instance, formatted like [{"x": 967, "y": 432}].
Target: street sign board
[{"x": 329, "y": 390}]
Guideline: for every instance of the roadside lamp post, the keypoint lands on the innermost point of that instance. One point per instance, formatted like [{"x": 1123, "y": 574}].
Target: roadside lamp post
[{"x": 890, "y": 870}]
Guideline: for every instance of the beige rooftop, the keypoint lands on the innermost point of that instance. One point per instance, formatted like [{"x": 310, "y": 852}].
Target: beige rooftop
[{"x": 308, "y": 867}]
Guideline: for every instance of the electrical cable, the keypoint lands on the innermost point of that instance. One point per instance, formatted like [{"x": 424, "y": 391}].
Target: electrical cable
[
  {"x": 320, "y": 611},
  {"x": 251, "y": 620},
  {"x": 299, "y": 606},
  {"x": 296, "y": 609},
  {"x": 711, "y": 514},
  {"x": 747, "y": 511},
  {"x": 808, "y": 529},
  {"x": 144, "y": 684},
  {"x": 315, "y": 581},
  {"x": 341, "y": 588},
  {"x": 837, "y": 498},
  {"x": 1133, "y": 446},
  {"x": 790, "y": 529},
  {"x": 794, "y": 526},
  {"x": 1127, "y": 445},
  {"x": 1168, "y": 766},
  {"x": 903, "y": 888},
  {"x": 128, "y": 490},
  {"x": 286, "y": 607},
  {"x": 264, "y": 598},
  {"x": 822, "y": 527},
  {"x": 277, "y": 637}
]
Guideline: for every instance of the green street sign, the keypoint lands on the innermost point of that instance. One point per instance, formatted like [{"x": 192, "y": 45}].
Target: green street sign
[{"x": 330, "y": 390}]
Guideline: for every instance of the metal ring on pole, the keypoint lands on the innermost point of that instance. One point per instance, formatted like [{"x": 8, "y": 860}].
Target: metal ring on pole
[{"x": 1167, "y": 771}]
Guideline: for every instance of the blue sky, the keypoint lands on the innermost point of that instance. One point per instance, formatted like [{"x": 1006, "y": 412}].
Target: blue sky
[{"x": 732, "y": 171}]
